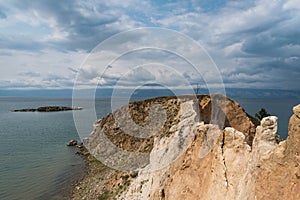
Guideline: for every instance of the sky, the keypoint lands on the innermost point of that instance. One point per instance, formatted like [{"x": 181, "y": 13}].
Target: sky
[{"x": 44, "y": 44}]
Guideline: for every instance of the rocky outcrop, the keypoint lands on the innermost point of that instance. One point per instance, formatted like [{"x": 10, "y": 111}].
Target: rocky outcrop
[
  {"x": 48, "y": 109},
  {"x": 235, "y": 116},
  {"x": 278, "y": 176},
  {"x": 231, "y": 170},
  {"x": 192, "y": 158},
  {"x": 72, "y": 143},
  {"x": 229, "y": 111}
]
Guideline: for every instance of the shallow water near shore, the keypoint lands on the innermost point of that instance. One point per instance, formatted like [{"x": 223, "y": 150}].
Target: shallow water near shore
[{"x": 35, "y": 162}]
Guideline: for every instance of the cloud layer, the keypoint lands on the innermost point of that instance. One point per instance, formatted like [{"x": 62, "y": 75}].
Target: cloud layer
[{"x": 255, "y": 44}]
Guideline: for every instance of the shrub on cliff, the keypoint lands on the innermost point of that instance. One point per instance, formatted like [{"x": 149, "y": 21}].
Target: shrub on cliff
[{"x": 261, "y": 114}]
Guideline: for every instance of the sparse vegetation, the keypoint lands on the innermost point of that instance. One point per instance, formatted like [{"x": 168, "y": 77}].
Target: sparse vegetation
[
  {"x": 105, "y": 195},
  {"x": 134, "y": 175},
  {"x": 124, "y": 185},
  {"x": 261, "y": 114}
]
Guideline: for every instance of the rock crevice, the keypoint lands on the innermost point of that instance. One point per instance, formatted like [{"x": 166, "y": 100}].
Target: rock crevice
[{"x": 224, "y": 161}]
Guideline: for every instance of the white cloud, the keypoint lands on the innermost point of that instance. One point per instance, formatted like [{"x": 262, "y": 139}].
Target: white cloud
[
  {"x": 248, "y": 40},
  {"x": 292, "y": 4}
]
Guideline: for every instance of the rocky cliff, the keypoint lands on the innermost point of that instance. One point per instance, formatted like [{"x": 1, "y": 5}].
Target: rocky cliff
[{"x": 240, "y": 160}]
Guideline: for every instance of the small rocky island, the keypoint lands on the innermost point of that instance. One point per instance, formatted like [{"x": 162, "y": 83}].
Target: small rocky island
[{"x": 48, "y": 109}]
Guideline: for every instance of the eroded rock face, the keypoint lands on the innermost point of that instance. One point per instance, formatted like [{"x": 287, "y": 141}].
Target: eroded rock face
[
  {"x": 240, "y": 161},
  {"x": 296, "y": 111},
  {"x": 278, "y": 177},
  {"x": 220, "y": 164},
  {"x": 234, "y": 116}
]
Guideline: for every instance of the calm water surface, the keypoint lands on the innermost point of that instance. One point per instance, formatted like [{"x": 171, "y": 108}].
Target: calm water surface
[
  {"x": 282, "y": 108},
  {"x": 35, "y": 162}
]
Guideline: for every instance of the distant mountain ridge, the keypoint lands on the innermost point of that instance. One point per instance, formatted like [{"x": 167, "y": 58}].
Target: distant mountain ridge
[{"x": 149, "y": 93}]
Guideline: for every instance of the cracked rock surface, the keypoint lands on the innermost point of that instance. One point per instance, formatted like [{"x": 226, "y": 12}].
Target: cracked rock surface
[{"x": 220, "y": 164}]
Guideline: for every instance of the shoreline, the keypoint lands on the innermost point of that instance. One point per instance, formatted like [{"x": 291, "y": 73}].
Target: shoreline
[
  {"x": 100, "y": 181},
  {"x": 94, "y": 180},
  {"x": 70, "y": 186},
  {"x": 67, "y": 189}
]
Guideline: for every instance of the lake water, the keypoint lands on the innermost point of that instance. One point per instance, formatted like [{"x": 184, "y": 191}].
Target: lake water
[
  {"x": 35, "y": 162},
  {"x": 282, "y": 108}
]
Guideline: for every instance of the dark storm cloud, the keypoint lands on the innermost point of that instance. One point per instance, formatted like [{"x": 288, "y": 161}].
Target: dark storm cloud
[{"x": 267, "y": 46}]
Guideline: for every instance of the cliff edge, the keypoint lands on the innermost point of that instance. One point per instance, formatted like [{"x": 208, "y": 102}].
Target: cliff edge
[{"x": 240, "y": 160}]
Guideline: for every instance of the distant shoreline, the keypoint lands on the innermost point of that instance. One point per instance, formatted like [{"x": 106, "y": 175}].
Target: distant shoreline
[{"x": 152, "y": 92}]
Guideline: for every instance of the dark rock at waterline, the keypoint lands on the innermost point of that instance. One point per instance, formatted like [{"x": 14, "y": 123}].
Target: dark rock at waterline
[
  {"x": 82, "y": 151},
  {"x": 72, "y": 143},
  {"x": 26, "y": 110},
  {"x": 48, "y": 109}
]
